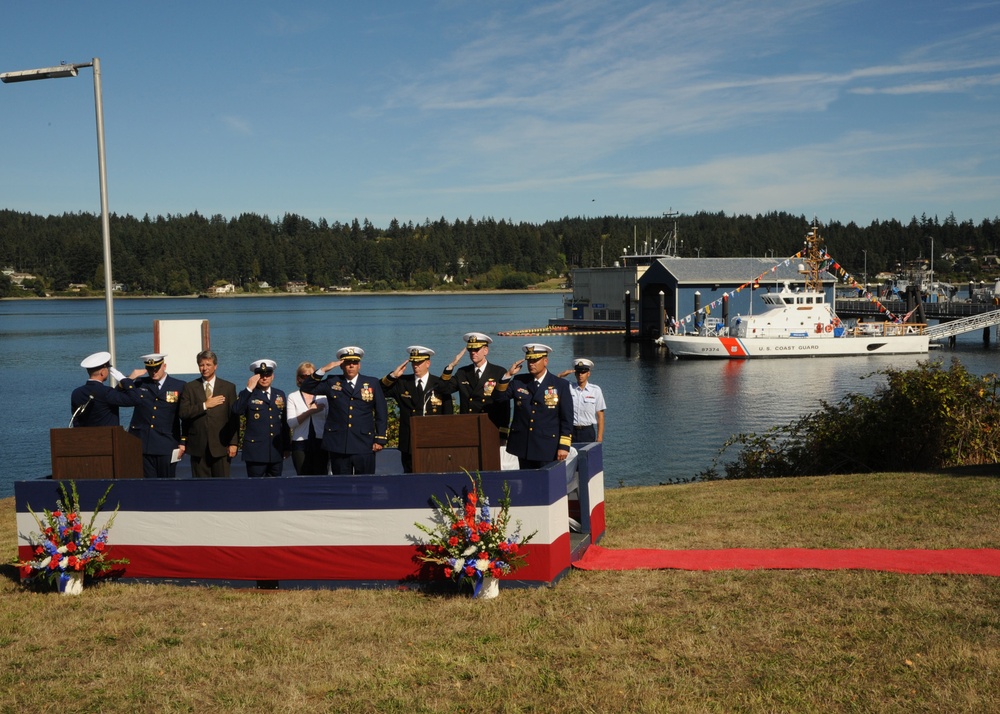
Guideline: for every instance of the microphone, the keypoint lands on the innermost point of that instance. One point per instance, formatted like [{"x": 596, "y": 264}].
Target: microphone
[{"x": 80, "y": 409}]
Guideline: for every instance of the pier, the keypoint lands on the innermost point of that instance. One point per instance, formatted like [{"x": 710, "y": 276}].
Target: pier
[
  {"x": 954, "y": 318},
  {"x": 943, "y": 311}
]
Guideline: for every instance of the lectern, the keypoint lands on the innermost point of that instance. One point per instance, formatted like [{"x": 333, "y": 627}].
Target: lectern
[
  {"x": 449, "y": 443},
  {"x": 95, "y": 452}
]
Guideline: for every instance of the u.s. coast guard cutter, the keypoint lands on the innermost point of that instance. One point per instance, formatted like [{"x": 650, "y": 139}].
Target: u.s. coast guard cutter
[{"x": 797, "y": 323}]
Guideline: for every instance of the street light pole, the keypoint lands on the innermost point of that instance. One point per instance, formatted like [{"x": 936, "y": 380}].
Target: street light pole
[
  {"x": 71, "y": 70},
  {"x": 866, "y": 269}
]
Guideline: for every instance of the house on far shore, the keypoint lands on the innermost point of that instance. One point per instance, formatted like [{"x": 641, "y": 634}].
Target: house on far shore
[
  {"x": 19, "y": 278},
  {"x": 222, "y": 289},
  {"x": 296, "y": 286}
]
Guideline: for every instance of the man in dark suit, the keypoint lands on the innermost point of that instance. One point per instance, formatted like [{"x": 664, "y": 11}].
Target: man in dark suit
[
  {"x": 211, "y": 429},
  {"x": 95, "y": 403},
  {"x": 416, "y": 395},
  {"x": 356, "y": 415},
  {"x": 156, "y": 417},
  {"x": 266, "y": 441},
  {"x": 542, "y": 428},
  {"x": 476, "y": 382}
]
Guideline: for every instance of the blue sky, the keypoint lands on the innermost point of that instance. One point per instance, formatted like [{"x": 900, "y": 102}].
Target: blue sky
[{"x": 529, "y": 111}]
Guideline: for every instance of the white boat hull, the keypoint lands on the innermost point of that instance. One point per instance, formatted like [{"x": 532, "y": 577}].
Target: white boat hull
[{"x": 711, "y": 347}]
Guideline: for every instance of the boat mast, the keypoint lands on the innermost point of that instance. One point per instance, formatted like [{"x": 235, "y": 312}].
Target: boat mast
[{"x": 813, "y": 260}]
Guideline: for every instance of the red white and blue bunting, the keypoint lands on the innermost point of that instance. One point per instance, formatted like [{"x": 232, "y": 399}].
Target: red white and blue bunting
[{"x": 838, "y": 271}]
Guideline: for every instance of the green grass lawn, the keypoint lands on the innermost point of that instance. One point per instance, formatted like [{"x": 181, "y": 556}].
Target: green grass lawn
[{"x": 649, "y": 641}]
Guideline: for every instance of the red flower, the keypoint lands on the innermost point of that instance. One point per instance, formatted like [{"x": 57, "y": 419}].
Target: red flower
[
  {"x": 447, "y": 572},
  {"x": 71, "y": 517},
  {"x": 473, "y": 498},
  {"x": 453, "y": 541},
  {"x": 78, "y": 527},
  {"x": 74, "y": 562},
  {"x": 474, "y": 537},
  {"x": 484, "y": 527},
  {"x": 71, "y": 547},
  {"x": 470, "y": 570},
  {"x": 54, "y": 563},
  {"x": 99, "y": 547},
  {"x": 56, "y": 514}
]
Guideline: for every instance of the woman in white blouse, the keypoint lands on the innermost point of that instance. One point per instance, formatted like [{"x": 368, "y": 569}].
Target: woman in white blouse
[{"x": 306, "y": 417}]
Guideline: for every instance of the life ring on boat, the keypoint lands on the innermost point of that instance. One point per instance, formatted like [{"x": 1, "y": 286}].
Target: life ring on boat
[
  {"x": 819, "y": 327},
  {"x": 836, "y": 322},
  {"x": 829, "y": 328}
]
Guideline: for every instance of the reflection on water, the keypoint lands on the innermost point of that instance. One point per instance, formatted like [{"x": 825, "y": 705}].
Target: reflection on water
[{"x": 666, "y": 418}]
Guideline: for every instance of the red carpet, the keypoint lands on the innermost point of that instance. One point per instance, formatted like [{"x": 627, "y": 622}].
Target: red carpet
[{"x": 963, "y": 561}]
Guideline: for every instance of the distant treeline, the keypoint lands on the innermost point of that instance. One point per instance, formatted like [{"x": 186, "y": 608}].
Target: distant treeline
[{"x": 180, "y": 255}]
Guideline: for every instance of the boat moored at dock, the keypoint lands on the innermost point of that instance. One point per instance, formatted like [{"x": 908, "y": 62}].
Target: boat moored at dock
[{"x": 795, "y": 323}]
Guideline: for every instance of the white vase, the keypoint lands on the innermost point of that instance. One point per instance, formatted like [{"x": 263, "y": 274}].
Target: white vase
[
  {"x": 489, "y": 589},
  {"x": 71, "y": 583}
]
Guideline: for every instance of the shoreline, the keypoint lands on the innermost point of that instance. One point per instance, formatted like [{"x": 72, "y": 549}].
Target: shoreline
[{"x": 387, "y": 293}]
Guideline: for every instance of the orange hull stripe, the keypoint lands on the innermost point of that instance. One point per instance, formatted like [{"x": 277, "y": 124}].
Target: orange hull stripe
[{"x": 733, "y": 347}]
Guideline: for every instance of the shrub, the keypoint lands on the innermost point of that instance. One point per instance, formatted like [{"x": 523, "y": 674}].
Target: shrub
[{"x": 926, "y": 418}]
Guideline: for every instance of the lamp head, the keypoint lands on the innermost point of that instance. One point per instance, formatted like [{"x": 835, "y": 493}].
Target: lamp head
[{"x": 27, "y": 75}]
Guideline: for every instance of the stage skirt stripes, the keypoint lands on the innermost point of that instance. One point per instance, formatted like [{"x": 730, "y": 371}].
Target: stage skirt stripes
[{"x": 313, "y": 528}]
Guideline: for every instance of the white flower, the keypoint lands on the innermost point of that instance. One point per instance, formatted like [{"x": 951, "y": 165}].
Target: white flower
[
  {"x": 459, "y": 563},
  {"x": 62, "y": 549},
  {"x": 45, "y": 563},
  {"x": 470, "y": 550},
  {"x": 482, "y": 565}
]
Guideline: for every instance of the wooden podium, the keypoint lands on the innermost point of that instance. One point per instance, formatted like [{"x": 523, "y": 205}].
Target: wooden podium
[
  {"x": 95, "y": 452},
  {"x": 449, "y": 443}
]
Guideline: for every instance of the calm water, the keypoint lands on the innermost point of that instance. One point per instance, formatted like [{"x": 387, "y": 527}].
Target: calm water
[{"x": 666, "y": 419}]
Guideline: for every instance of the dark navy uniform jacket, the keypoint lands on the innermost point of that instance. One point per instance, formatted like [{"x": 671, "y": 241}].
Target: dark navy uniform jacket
[
  {"x": 156, "y": 417},
  {"x": 355, "y": 419},
  {"x": 103, "y": 408},
  {"x": 478, "y": 397},
  {"x": 403, "y": 390},
  {"x": 543, "y": 416},
  {"x": 266, "y": 437}
]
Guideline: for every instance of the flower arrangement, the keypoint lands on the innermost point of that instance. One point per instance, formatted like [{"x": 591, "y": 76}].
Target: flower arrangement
[
  {"x": 65, "y": 544},
  {"x": 470, "y": 540}
]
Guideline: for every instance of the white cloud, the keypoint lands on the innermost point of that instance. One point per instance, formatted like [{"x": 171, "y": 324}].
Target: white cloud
[{"x": 237, "y": 125}]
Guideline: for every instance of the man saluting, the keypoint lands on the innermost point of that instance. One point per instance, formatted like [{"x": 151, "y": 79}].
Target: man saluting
[
  {"x": 156, "y": 418},
  {"x": 417, "y": 395},
  {"x": 265, "y": 438},
  {"x": 542, "y": 428},
  {"x": 95, "y": 403},
  {"x": 356, "y": 416},
  {"x": 476, "y": 382}
]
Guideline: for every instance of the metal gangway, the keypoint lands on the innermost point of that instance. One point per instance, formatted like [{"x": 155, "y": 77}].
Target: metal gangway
[{"x": 965, "y": 324}]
